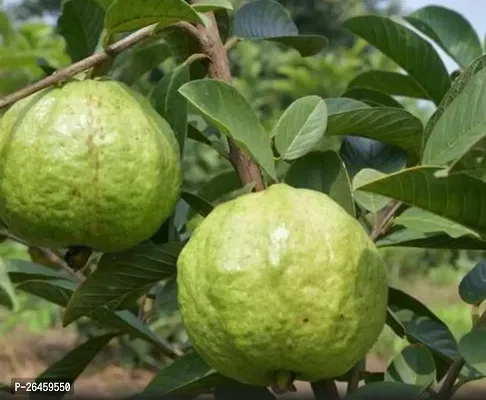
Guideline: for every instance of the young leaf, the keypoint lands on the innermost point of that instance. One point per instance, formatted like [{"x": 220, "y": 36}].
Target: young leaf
[
  {"x": 459, "y": 198},
  {"x": 415, "y": 365},
  {"x": 268, "y": 20},
  {"x": 227, "y": 109},
  {"x": 197, "y": 203},
  {"x": 68, "y": 368},
  {"x": 372, "y": 97},
  {"x": 300, "y": 127},
  {"x": 170, "y": 104},
  {"x": 394, "y": 126},
  {"x": 461, "y": 126},
  {"x": 385, "y": 391},
  {"x": 127, "y": 15},
  {"x": 408, "y": 238},
  {"x": 450, "y": 30},
  {"x": 408, "y": 49},
  {"x": 472, "y": 288},
  {"x": 369, "y": 201},
  {"x": 419, "y": 220},
  {"x": 212, "y": 5},
  {"x": 8, "y": 298},
  {"x": 188, "y": 374},
  {"x": 473, "y": 349},
  {"x": 120, "y": 274},
  {"x": 393, "y": 83},
  {"x": 360, "y": 152},
  {"x": 323, "y": 172},
  {"x": 81, "y": 24}
]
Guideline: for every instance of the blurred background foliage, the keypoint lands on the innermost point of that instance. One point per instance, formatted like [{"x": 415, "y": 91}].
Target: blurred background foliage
[{"x": 271, "y": 77}]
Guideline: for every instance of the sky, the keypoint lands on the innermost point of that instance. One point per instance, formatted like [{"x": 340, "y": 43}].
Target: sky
[{"x": 473, "y": 10}]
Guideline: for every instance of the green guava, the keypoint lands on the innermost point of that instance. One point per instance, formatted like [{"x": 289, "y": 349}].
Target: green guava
[
  {"x": 282, "y": 282},
  {"x": 88, "y": 163}
]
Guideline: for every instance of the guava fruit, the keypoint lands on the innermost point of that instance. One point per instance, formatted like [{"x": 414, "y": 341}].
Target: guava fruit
[
  {"x": 87, "y": 163},
  {"x": 282, "y": 282}
]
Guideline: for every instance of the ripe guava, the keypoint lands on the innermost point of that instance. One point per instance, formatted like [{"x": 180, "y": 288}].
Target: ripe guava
[
  {"x": 88, "y": 163},
  {"x": 282, "y": 282}
]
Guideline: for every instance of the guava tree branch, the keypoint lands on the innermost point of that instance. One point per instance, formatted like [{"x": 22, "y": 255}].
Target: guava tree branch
[
  {"x": 91, "y": 61},
  {"x": 213, "y": 47}
]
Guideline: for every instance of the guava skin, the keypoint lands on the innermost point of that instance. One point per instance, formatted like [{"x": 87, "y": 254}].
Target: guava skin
[
  {"x": 89, "y": 163},
  {"x": 282, "y": 280}
]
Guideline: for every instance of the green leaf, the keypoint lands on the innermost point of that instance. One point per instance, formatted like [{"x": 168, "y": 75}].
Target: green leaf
[
  {"x": 127, "y": 15},
  {"x": 472, "y": 288},
  {"x": 368, "y": 201},
  {"x": 21, "y": 271},
  {"x": 170, "y": 104},
  {"x": 228, "y": 110},
  {"x": 323, "y": 172},
  {"x": 240, "y": 391},
  {"x": 135, "y": 62},
  {"x": 408, "y": 49},
  {"x": 449, "y": 198},
  {"x": 212, "y": 5},
  {"x": 8, "y": 298},
  {"x": 68, "y": 368},
  {"x": 473, "y": 349},
  {"x": 422, "y": 325},
  {"x": 414, "y": 365},
  {"x": 359, "y": 153},
  {"x": 58, "y": 287},
  {"x": 300, "y": 127},
  {"x": 419, "y": 220},
  {"x": 408, "y": 238},
  {"x": 461, "y": 126},
  {"x": 220, "y": 185},
  {"x": 385, "y": 391},
  {"x": 118, "y": 275},
  {"x": 195, "y": 134},
  {"x": 200, "y": 205},
  {"x": 105, "y": 3},
  {"x": 268, "y": 20},
  {"x": 6, "y": 29},
  {"x": 390, "y": 125},
  {"x": 81, "y": 23},
  {"x": 393, "y": 83},
  {"x": 372, "y": 97},
  {"x": 450, "y": 30},
  {"x": 455, "y": 90},
  {"x": 188, "y": 374},
  {"x": 166, "y": 297},
  {"x": 336, "y": 105}
]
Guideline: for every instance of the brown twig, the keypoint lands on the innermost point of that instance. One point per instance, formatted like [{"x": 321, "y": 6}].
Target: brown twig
[
  {"x": 213, "y": 47},
  {"x": 49, "y": 254},
  {"x": 382, "y": 224},
  {"x": 91, "y": 61}
]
